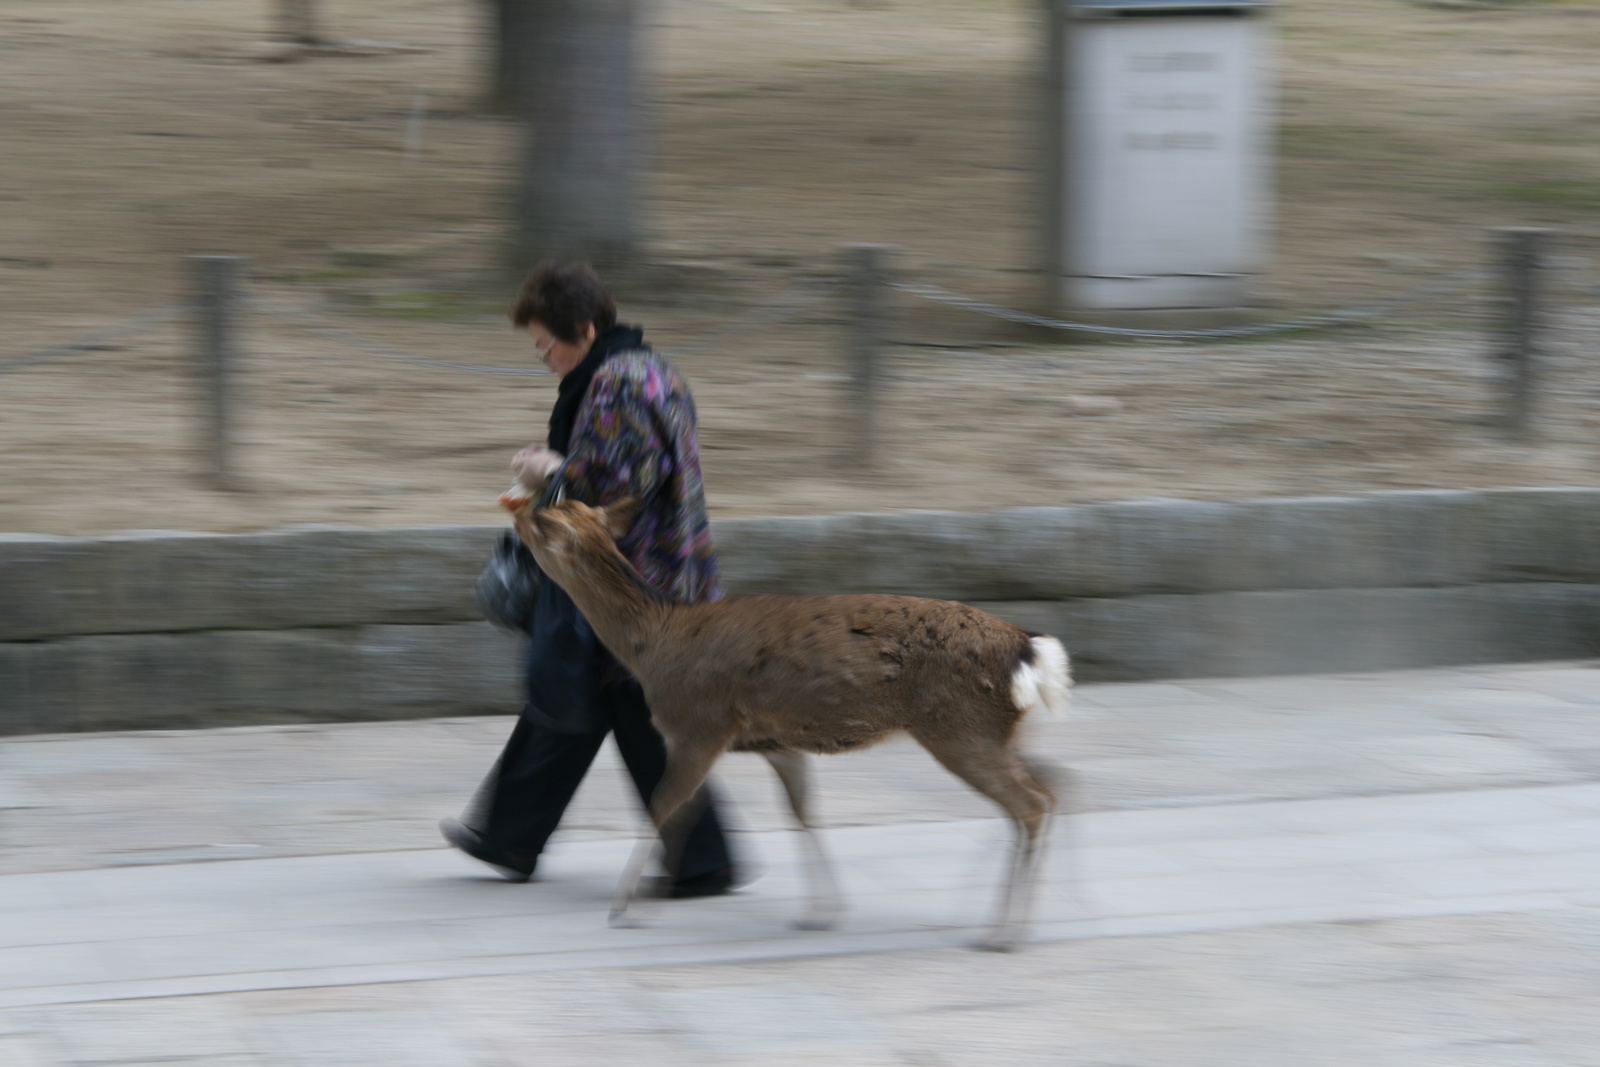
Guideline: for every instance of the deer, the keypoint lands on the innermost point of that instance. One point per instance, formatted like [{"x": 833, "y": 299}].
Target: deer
[{"x": 784, "y": 676}]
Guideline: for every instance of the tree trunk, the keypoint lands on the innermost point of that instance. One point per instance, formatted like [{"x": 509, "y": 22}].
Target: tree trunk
[
  {"x": 297, "y": 21},
  {"x": 576, "y": 187},
  {"x": 509, "y": 48}
]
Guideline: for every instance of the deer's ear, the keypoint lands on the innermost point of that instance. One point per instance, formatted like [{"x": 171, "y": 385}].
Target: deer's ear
[{"x": 619, "y": 516}]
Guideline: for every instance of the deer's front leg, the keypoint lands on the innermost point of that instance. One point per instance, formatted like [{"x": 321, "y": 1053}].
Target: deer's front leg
[
  {"x": 688, "y": 764},
  {"x": 628, "y": 885}
]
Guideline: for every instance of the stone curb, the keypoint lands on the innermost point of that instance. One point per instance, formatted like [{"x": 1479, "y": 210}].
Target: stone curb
[
  {"x": 177, "y": 629},
  {"x": 162, "y": 582}
]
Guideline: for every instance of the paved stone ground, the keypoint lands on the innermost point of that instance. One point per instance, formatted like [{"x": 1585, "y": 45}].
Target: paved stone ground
[{"x": 1375, "y": 869}]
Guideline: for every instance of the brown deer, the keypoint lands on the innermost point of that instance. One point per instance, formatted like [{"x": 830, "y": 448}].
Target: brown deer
[{"x": 786, "y": 675}]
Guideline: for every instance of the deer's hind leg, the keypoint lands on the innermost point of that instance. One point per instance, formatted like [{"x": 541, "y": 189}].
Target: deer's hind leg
[
  {"x": 826, "y": 902},
  {"x": 994, "y": 768},
  {"x": 689, "y": 761}
]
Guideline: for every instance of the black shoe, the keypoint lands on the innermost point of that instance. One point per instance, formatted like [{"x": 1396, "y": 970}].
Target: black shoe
[
  {"x": 713, "y": 883},
  {"x": 513, "y": 866}
]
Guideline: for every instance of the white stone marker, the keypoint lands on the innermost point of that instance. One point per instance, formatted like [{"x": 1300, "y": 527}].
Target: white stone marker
[{"x": 1158, "y": 177}]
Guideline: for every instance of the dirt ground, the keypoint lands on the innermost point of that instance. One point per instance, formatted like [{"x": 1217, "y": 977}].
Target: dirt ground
[{"x": 132, "y": 135}]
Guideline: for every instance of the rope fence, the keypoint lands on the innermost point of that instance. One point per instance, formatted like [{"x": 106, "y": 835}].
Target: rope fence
[
  {"x": 786, "y": 305},
  {"x": 1521, "y": 298},
  {"x": 1444, "y": 285},
  {"x": 100, "y": 341},
  {"x": 319, "y": 327}
]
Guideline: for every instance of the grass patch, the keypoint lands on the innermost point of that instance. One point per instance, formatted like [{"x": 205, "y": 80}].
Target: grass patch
[
  {"x": 1353, "y": 143},
  {"x": 1563, "y": 194},
  {"x": 364, "y": 259},
  {"x": 1544, "y": 135},
  {"x": 312, "y": 277},
  {"x": 429, "y": 305}
]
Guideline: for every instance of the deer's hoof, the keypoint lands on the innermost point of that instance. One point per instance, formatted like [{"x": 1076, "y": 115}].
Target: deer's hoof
[
  {"x": 815, "y": 922},
  {"x": 621, "y": 920},
  {"x": 995, "y": 944}
]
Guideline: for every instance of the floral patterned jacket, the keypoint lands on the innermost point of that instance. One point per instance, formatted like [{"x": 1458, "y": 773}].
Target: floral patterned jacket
[{"x": 635, "y": 435}]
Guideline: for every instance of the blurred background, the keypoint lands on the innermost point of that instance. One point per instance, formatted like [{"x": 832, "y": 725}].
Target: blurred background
[
  {"x": 208, "y": 857},
  {"x": 371, "y": 159}
]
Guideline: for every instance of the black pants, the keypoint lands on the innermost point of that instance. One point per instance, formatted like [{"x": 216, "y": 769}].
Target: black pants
[{"x": 540, "y": 769}]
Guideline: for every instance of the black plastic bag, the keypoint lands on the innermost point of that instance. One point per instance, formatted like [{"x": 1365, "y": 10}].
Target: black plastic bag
[
  {"x": 508, "y": 587},
  {"x": 566, "y": 661}
]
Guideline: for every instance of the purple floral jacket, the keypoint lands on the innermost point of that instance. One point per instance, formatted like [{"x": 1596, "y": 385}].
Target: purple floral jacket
[{"x": 635, "y": 435}]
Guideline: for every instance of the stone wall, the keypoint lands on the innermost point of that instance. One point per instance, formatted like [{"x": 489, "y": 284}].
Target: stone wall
[{"x": 168, "y": 630}]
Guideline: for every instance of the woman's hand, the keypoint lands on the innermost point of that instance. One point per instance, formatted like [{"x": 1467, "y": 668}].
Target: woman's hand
[{"x": 533, "y": 466}]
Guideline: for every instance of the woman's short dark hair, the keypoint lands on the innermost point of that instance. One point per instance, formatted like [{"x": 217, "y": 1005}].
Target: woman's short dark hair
[{"x": 561, "y": 298}]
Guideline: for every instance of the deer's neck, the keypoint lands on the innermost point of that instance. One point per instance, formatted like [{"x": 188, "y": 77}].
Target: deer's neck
[{"x": 625, "y": 613}]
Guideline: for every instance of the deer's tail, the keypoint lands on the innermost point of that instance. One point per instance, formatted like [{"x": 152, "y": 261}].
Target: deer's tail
[{"x": 1042, "y": 678}]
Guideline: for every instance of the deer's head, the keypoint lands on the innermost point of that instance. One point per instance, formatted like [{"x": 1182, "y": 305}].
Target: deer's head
[{"x": 565, "y": 536}]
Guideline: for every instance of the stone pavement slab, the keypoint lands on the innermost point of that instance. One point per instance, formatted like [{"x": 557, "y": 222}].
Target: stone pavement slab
[
  {"x": 1393, "y": 869},
  {"x": 406, "y": 916},
  {"x": 76, "y": 800}
]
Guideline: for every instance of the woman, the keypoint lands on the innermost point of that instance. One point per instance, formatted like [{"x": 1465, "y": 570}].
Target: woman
[{"x": 623, "y": 425}]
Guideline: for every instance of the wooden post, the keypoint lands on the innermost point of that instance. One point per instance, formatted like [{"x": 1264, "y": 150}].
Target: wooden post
[
  {"x": 416, "y": 125},
  {"x": 297, "y": 22},
  {"x": 1521, "y": 253},
  {"x": 867, "y": 305},
  {"x": 216, "y": 284}
]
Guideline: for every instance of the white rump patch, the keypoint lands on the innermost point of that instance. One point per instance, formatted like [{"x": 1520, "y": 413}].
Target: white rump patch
[{"x": 1045, "y": 681}]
